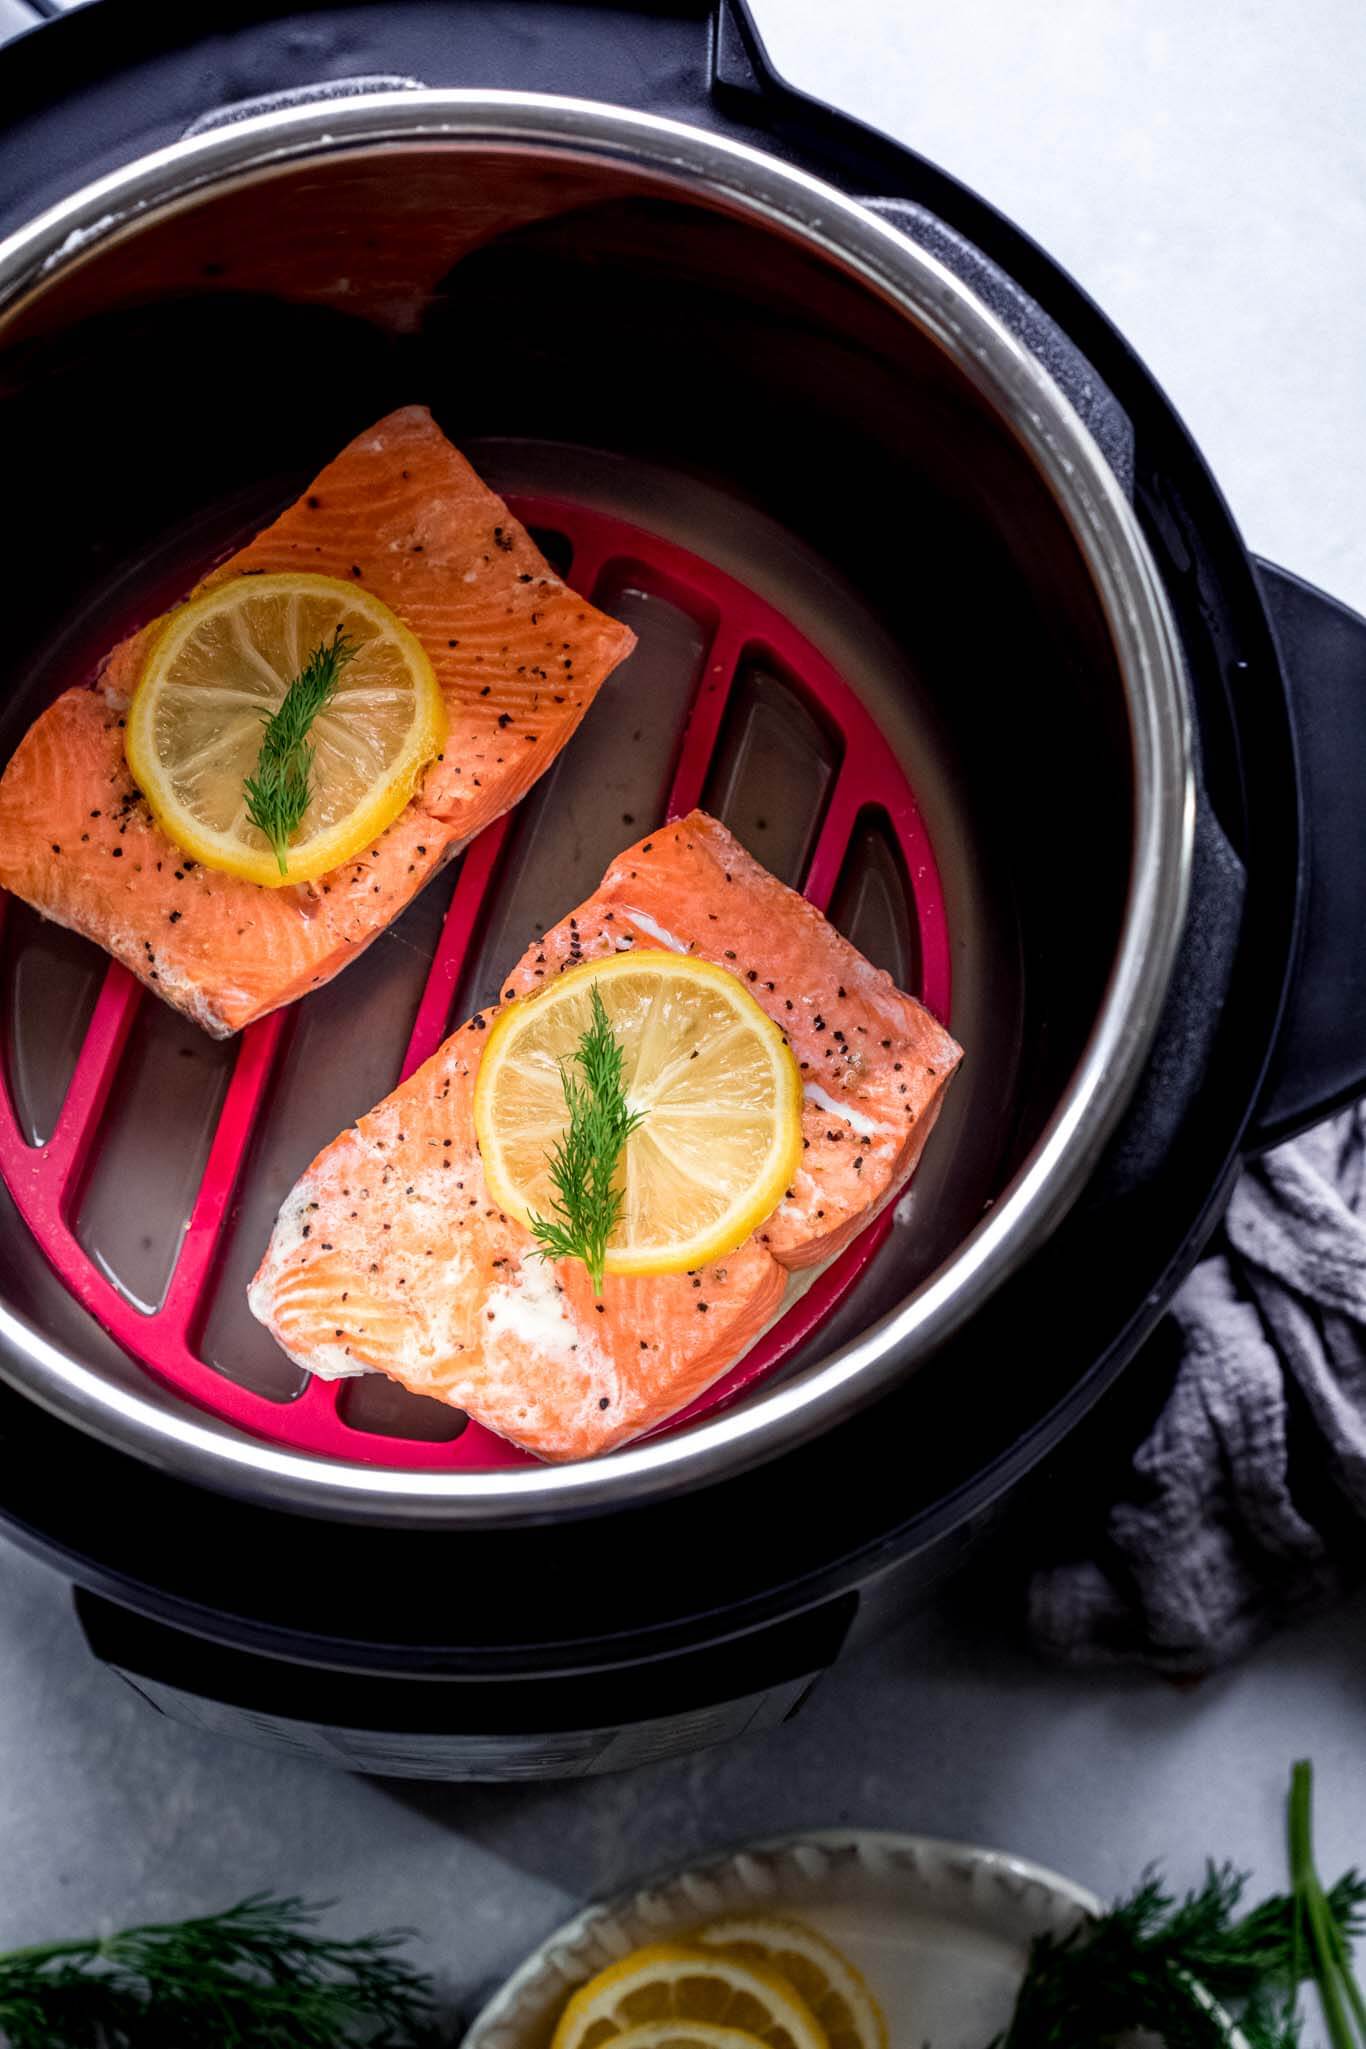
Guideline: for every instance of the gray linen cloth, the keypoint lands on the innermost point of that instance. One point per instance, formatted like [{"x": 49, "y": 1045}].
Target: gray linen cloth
[{"x": 1247, "y": 1503}]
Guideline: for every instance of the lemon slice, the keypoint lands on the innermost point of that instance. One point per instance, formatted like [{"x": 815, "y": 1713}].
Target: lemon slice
[
  {"x": 222, "y": 664},
  {"x": 673, "y": 1982},
  {"x": 825, "y": 1978},
  {"x": 711, "y": 1077},
  {"x": 685, "y": 2035}
]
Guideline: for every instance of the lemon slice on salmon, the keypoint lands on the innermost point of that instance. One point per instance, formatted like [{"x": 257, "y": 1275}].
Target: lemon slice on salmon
[
  {"x": 675, "y": 1982},
  {"x": 831, "y": 1986},
  {"x": 220, "y": 667},
  {"x": 710, "y": 1077}
]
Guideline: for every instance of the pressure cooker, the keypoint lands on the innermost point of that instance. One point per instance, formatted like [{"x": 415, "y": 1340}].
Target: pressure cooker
[{"x": 824, "y": 426}]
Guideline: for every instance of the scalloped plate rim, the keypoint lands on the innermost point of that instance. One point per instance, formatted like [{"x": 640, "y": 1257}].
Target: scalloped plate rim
[{"x": 932, "y": 1859}]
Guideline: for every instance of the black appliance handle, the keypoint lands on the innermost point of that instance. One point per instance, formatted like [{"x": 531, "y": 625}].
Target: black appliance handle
[{"x": 1318, "y": 1063}]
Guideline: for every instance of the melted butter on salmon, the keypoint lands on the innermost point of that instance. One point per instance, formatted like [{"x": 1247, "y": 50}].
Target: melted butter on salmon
[
  {"x": 391, "y": 1256},
  {"x": 529, "y": 1309},
  {"x": 518, "y": 656}
]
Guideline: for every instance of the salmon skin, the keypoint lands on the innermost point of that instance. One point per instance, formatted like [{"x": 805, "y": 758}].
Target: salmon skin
[
  {"x": 518, "y": 656},
  {"x": 390, "y": 1255}
]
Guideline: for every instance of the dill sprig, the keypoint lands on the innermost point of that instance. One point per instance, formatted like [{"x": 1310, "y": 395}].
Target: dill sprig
[
  {"x": 583, "y": 1163},
  {"x": 1156, "y": 1965},
  {"x": 279, "y": 792},
  {"x": 258, "y": 1976}
]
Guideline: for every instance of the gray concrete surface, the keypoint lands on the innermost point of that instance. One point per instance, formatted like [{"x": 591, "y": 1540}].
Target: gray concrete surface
[
  {"x": 109, "y": 1812},
  {"x": 1203, "y": 171}
]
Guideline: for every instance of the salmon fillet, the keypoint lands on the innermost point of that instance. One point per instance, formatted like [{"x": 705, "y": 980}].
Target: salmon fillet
[
  {"x": 519, "y": 658},
  {"x": 390, "y": 1255},
  {"x": 874, "y": 1062}
]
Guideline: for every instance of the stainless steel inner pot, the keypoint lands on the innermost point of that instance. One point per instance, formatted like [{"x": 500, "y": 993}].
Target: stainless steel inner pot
[{"x": 652, "y": 319}]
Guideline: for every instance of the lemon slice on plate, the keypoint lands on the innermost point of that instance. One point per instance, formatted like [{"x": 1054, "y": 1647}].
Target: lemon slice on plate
[
  {"x": 716, "y": 1090},
  {"x": 673, "y": 1982},
  {"x": 685, "y": 2035},
  {"x": 221, "y": 666},
  {"x": 825, "y": 1978}
]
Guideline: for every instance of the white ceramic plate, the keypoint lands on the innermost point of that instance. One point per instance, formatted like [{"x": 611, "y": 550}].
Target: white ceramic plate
[{"x": 941, "y": 1931}]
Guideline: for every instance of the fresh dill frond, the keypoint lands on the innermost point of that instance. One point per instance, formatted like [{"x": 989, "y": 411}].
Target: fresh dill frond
[
  {"x": 583, "y": 1163},
  {"x": 1135, "y": 1969},
  {"x": 258, "y": 1976},
  {"x": 1154, "y": 1964},
  {"x": 279, "y": 792}
]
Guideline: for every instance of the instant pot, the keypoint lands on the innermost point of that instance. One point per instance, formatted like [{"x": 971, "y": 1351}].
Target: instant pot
[{"x": 801, "y": 406}]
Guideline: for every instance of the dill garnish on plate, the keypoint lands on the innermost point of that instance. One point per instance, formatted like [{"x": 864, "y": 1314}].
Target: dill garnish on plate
[{"x": 1177, "y": 1970}]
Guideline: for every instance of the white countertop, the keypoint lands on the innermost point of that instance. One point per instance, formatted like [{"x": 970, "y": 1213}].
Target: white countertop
[{"x": 1202, "y": 170}]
